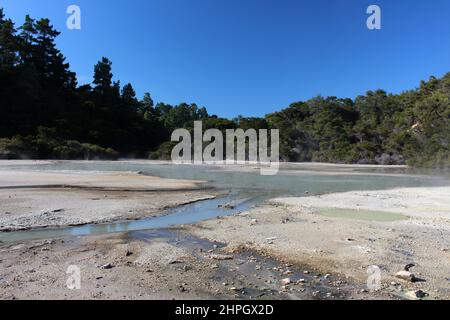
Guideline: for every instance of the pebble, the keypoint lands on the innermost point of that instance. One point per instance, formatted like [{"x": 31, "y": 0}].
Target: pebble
[
  {"x": 405, "y": 275},
  {"x": 186, "y": 268},
  {"x": 237, "y": 289},
  {"x": 417, "y": 294},
  {"x": 175, "y": 261},
  {"x": 221, "y": 257},
  {"x": 107, "y": 266}
]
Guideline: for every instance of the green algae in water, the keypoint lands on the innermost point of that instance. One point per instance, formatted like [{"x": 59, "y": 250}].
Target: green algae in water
[{"x": 367, "y": 215}]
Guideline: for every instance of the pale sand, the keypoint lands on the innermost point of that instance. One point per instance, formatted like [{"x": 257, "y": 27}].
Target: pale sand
[
  {"x": 30, "y": 199},
  {"x": 291, "y": 230},
  {"x": 92, "y": 179},
  {"x": 423, "y": 203}
]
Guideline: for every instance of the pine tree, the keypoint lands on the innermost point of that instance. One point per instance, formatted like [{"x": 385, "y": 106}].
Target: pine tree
[
  {"x": 8, "y": 43},
  {"x": 27, "y": 39},
  {"x": 49, "y": 60},
  {"x": 129, "y": 95},
  {"x": 103, "y": 76}
]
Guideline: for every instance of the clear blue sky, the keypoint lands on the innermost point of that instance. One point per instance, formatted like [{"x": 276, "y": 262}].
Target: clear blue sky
[{"x": 252, "y": 57}]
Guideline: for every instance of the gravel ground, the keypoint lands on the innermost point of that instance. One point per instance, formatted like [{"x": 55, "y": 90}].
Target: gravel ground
[{"x": 292, "y": 230}]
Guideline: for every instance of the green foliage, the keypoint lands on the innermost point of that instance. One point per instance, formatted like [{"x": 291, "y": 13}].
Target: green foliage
[
  {"x": 164, "y": 151},
  {"x": 412, "y": 127},
  {"x": 38, "y": 147}
]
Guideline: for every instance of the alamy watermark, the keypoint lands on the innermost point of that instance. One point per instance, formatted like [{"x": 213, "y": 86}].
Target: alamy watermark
[
  {"x": 241, "y": 147},
  {"x": 374, "y": 278},
  {"x": 374, "y": 20},
  {"x": 74, "y": 280},
  {"x": 73, "y": 22}
]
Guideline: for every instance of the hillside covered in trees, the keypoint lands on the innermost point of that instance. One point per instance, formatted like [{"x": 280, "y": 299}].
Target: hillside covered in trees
[{"x": 44, "y": 113}]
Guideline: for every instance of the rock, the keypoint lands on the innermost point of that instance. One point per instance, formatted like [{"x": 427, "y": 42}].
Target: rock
[
  {"x": 175, "y": 261},
  {"x": 409, "y": 266},
  {"x": 221, "y": 257},
  {"x": 270, "y": 240},
  {"x": 236, "y": 288},
  {"x": 107, "y": 266},
  {"x": 253, "y": 222},
  {"x": 306, "y": 272},
  {"x": 128, "y": 253},
  {"x": 417, "y": 294},
  {"x": 214, "y": 266},
  {"x": 226, "y": 206},
  {"x": 182, "y": 288},
  {"x": 286, "y": 281},
  {"x": 301, "y": 281},
  {"x": 405, "y": 275},
  {"x": 186, "y": 268}
]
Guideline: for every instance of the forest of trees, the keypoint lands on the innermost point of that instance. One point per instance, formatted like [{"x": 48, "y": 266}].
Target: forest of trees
[{"x": 45, "y": 114}]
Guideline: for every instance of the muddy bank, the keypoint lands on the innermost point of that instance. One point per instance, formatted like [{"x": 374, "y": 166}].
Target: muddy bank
[
  {"x": 30, "y": 199},
  {"x": 293, "y": 230}
]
